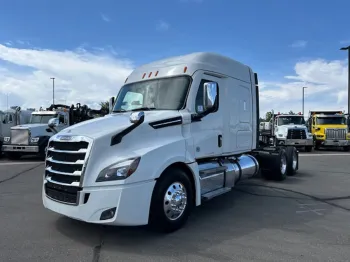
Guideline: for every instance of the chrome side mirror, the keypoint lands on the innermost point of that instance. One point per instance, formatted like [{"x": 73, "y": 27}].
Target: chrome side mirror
[
  {"x": 53, "y": 122},
  {"x": 210, "y": 95},
  {"x": 137, "y": 117}
]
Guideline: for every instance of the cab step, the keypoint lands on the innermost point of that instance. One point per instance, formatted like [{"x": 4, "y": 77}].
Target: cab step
[{"x": 215, "y": 193}]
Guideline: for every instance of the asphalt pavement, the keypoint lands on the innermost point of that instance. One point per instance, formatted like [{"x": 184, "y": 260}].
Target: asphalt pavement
[{"x": 304, "y": 218}]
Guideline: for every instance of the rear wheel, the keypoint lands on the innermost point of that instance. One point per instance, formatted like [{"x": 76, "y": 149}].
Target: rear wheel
[
  {"x": 292, "y": 160},
  {"x": 346, "y": 148},
  {"x": 172, "y": 201},
  {"x": 277, "y": 166}
]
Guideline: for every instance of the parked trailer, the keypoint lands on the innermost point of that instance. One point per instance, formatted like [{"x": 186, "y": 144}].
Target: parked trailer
[{"x": 182, "y": 131}]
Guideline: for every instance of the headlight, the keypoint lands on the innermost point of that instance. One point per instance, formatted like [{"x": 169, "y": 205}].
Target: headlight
[
  {"x": 309, "y": 135},
  {"x": 34, "y": 140},
  {"x": 7, "y": 139},
  {"x": 119, "y": 171}
]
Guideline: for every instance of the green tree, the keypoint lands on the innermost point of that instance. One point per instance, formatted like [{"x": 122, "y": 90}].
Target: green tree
[
  {"x": 268, "y": 116},
  {"x": 104, "y": 105}
]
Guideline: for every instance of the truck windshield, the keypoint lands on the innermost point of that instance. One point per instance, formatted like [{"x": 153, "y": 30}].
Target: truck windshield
[
  {"x": 41, "y": 119},
  {"x": 331, "y": 121},
  {"x": 160, "y": 94},
  {"x": 287, "y": 120}
]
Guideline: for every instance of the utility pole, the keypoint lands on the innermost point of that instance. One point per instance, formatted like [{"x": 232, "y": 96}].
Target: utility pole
[
  {"x": 303, "y": 98},
  {"x": 7, "y": 101},
  {"x": 53, "y": 90},
  {"x": 348, "y": 49}
]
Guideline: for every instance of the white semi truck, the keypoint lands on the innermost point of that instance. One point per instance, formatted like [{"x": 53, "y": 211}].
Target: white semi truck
[
  {"x": 182, "y": 131},
  {"x": 32, "y": 138},
  {"x": 287, "y": 130}
]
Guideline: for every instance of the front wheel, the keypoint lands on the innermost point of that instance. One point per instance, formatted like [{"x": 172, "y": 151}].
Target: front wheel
[{"x": 172, "y": 201}]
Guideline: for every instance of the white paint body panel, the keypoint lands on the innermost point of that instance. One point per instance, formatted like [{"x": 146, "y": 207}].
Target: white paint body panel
[{"x": 159, "y": 148}]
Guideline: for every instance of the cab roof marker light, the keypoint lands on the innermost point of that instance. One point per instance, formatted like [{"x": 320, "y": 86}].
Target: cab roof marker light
[
  {"x": 144, "y": 74},
  {"x": 149, "y": 75},
  {"x": 185, "y": 69},
  {"x": 156, "y": 73}
]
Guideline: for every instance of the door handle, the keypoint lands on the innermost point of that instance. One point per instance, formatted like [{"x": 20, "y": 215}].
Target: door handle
[{"x": 219, "y": 140}]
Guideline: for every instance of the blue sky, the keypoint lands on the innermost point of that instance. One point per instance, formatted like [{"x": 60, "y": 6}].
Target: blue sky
[{"x": 272, "y": 36}]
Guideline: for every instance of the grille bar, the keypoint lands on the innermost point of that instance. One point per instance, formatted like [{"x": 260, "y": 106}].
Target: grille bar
[
  {"x": 336, "y": 133},
  {"x": 296, "y": 134},
  {"x": 20, "y": 136},
  {"x": 65, "y": 165}
]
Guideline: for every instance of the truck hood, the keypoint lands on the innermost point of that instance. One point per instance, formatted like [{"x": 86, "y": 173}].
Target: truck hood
[
  {"x": 35, "y": 129},
  {"x": 113, "y": 123}
]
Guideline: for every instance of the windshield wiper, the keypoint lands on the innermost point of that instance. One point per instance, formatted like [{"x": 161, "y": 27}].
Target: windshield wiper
[
  {"x": 143, "y": 109},
  {"x": 119, "y": 110}
]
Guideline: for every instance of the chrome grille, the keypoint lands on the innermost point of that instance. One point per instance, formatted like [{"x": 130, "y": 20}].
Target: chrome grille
[
  {"x": 336, "y": 133},
  {"x": 296, "y": 134},
  {"x": 65, "y": 164},
  {"x": 20, "y": 136}
]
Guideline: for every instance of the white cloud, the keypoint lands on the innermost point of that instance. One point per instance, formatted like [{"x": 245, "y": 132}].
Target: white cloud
[
  {"x": 105, "y": 18},
  {"x": 162, "y": 26},
  {"x": 299, "y": 44},
  {"x": 81, "y": 76},
  {"x": 326, "y": 83}
]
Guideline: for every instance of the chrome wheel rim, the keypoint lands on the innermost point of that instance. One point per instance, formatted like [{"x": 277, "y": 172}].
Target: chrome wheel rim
[
  {"x": 283, "y": 164},
  {"x": 175, "y": 201}
]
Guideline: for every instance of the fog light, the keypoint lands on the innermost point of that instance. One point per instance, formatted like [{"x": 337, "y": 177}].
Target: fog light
[{"x": 108, "y": 214}]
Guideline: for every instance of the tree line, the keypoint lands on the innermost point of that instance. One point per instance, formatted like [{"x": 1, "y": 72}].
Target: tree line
[{"x": 268, "y": 116}]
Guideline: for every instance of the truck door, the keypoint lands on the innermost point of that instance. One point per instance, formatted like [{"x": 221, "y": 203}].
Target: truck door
[
  {"x": 7, "y": 123},
  {"x": 208, "y": 133}
]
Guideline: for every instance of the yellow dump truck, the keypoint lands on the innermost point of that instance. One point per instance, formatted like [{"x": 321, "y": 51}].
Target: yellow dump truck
[{"x": 329, "y": 129}]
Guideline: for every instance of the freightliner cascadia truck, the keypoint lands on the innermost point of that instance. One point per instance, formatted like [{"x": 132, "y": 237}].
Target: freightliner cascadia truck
[{"x": 181, "y": 131}]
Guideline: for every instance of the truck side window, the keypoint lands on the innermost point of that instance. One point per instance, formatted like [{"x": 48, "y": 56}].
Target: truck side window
[{"x": 200, "y": 97}]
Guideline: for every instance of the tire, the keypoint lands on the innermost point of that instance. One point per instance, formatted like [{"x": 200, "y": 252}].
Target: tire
[
  {"x": 346, "y": 148},
  {"x": 308, "y": 148},
  {"x": 292, "y": 160},
  {"x": 168, "y": 185},
  {"x": 279, "y": 166},
  {"x": 13, "y": 156}
]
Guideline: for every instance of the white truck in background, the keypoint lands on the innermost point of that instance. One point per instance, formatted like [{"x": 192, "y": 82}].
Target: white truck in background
[
  {"x": 182, "y": 131},
  {"x": 287, "y": 130},
  {"x": 32, "y": 138},
  {"x": 12, "y": 117}
]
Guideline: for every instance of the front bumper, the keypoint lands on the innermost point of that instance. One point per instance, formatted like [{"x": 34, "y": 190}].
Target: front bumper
[
  {"x": 20, "y": 148},
  {"x": 334, "y": 142},
  {"x": 132, "y": 204},
  {"x": 295, "y": 142}
]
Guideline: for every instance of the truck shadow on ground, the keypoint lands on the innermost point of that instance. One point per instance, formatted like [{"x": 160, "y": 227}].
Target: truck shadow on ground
[{"x": 245, "y": 210}]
